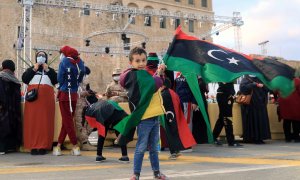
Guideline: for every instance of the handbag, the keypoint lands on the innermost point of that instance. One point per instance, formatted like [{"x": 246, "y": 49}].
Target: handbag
[
  {"x": 32, "y": 95},
  {"x": 243, "y": 99}
]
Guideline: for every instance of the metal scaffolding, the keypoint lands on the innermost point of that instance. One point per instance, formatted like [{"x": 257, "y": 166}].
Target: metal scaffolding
[{"x": 116, "y": 10}]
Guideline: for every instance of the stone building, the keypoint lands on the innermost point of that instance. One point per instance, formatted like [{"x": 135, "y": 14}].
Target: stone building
[{"x": 53, "y": 27}]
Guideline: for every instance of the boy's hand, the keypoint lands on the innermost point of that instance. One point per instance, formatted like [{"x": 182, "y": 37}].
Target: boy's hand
[
  {"x": 194, "y": 107},
  {"x": 161, "y": 68}
]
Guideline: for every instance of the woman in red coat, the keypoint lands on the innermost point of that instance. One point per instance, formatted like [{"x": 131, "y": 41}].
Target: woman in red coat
[{"x": 289, "y": 112}]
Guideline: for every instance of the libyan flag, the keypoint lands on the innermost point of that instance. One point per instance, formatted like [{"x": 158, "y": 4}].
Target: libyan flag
[
  {"x": 140, "y": 87},
  {"x": 145, "y": 102},
  {"x": 215, "y": 63},
  {"x": 178, "y": 134}
]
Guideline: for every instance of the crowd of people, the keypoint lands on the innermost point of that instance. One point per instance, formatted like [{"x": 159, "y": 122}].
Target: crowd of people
[{"x": 81, "y": 109}]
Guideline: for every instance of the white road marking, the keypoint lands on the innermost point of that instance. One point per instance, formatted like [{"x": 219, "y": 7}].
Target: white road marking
[{"x": 212, "y": 171}]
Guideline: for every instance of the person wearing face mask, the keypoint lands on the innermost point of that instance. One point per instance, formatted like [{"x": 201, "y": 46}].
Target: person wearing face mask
[
  {"x": 114, "y": 90},
  {"x": 39, "y": 114}
]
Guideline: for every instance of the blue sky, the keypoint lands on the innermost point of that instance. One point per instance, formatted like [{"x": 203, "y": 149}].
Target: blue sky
[{"x": 277, "y": 21}]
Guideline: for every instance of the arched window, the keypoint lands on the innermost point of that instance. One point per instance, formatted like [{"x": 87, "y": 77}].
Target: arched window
[
  {"x": 191, "y": 25},
  {"x": 163, "y": 19},
  {"x": 131, "y": 15},
  {"x": 177, "y": 20},
  {"x": 204, "y": 3},
  {"x": 147, "y": 18}
]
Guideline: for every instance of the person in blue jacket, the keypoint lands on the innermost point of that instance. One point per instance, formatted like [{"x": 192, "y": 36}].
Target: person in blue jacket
[{"x": 70, "y": 74}]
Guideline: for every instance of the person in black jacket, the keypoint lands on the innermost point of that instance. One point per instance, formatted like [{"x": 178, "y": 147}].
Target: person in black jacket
[
  {"x": 225, "y": 94},
  {"x": 10, "y": 109},
  {"x": 256, "y": 127},
  {"x": 39, "y": 114}
]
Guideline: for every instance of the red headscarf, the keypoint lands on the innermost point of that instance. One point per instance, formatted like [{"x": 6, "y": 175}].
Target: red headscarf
[{"x": 71, "y": 53}]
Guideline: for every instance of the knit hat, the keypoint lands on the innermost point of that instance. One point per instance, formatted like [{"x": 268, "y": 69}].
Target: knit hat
[
  {"x": 152, "y": 57},
  {"x": 8, "y": 64},
  {"x": 152, "y": 60}
]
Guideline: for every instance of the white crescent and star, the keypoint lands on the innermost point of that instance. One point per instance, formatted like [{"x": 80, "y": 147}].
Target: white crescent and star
[
  {"x": 212, "y": 56},
  {"x": 231, "y": 60}
]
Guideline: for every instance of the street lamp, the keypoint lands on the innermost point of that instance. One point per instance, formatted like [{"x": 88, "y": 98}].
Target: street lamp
[{"x": 263, "y": 47}]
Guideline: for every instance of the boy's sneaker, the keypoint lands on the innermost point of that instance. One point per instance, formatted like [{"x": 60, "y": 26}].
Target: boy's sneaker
[
  {"x": 75, "y": 151},
  {"x": 56, "y": 151},
  {"x": 100, "y": 159},
  {"x": 173, "y": 156},
  {"x": 236, "y": 144},
  {"x": 124, "y": 160},
  {"x": 2, "y": 153},
  {"x": 178, "y": 154},
  {"x": 188, "y": 150},
  {"x": 135, "y": 177},
  {"x": 160, "y": 176}
]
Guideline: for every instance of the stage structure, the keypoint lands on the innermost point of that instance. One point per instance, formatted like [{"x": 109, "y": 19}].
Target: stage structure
[{"x": 24, "y": 46}]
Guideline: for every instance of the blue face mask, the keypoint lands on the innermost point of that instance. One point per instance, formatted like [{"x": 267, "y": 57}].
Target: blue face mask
[{"x": 41, "y": 60}]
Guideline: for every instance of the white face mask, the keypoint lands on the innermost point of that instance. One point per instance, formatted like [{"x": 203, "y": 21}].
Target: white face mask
[
  {"x": 61, "y": 57},
  {"x": 116, "y": 78},
  {"x": 41, "y": 60}
]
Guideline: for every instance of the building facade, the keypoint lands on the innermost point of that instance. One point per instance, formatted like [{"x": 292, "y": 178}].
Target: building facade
[{"x": 55, "y": 26}]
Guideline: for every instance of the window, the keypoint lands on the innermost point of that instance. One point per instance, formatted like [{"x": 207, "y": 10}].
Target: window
[
  {"x": 147, "y": 20},
  {"x": 204, "y": 3},
  {"x": 86, "y": 9},
  {"x": 131, "y": 19},
  {"x": 177, "y": 23},
  {"x": 191, "y": 25},
  {"x": 177, "y": 0},
  {"x": 191, "y": 1},
  {"x": 162, "y": 22},
  {"x": 126, "y": 44}
]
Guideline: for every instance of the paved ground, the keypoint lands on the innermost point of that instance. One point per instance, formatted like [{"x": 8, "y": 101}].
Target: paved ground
[{"x": 274, "y": 160}]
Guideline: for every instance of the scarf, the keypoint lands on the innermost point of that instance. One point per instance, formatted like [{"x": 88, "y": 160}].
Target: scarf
[{"x": 7, "y": 75}]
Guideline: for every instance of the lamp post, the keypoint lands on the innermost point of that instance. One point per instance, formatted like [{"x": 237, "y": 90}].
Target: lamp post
[{"x": 263, "y": 47}]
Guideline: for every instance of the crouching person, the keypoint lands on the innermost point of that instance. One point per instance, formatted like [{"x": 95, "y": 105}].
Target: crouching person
[{"x": 103, "y": 115}]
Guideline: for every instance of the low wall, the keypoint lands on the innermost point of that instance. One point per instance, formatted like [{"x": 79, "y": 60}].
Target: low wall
[{"x": 275, "y": 126}]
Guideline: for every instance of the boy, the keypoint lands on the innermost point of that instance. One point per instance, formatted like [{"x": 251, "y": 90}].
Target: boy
[{"x": 141, "y": 87}]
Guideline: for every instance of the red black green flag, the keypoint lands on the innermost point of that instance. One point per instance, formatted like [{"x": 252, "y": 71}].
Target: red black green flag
[
  {"x": 215, "y": 63},
  {"x": 140, "y": 87},
  {"x": 179, "y": 136}
]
